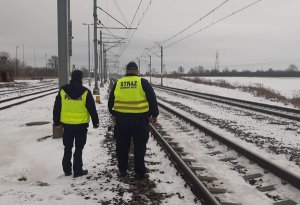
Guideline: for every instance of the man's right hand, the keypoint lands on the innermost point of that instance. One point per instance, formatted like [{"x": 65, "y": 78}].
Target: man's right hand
[
  {"x": 153, "y": 120},
  {"x": 96, "y": 126}
]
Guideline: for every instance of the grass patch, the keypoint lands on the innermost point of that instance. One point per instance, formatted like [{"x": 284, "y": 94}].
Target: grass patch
[{"x": 296, "y": 101}]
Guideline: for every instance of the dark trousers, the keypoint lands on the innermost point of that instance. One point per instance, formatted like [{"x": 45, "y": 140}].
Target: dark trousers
[
  {"x": 127, "y": 128},
  {"x": 79, "y": 134}
]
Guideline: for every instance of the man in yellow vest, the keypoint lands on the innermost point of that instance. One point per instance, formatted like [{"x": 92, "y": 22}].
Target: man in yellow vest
[
  {"x": 73, "y": 107},
  {"x": 132, "y": 103}
]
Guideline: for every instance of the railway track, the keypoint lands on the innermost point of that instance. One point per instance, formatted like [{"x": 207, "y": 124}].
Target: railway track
[
  {"x": 14, "y": 101},
  {"x": 11, "y": 102},
  {"x": 199, "y": 184},
  {"x": 264, "y": 172},
  {"x": 283, "y": 112},
  {"x": 5, "y": 92}
]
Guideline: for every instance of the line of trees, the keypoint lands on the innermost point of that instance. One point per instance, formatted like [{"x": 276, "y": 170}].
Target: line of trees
[
  {"x": 50, "y": 70},
  {"x": 291, "y": 71},
  {"x": 25, "y": 71}
]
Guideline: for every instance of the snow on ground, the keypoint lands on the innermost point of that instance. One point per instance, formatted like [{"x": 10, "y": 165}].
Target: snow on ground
[
  {"x": 44, "y": 92},
  {"x": 233, "y": 93},
  {"x": 39, "y": 162},
  {"x": 23, "y": 87},
  {"x": 23, "y": 84},
  {"x": 272, "y": 137},
  {"x": 289, "y": 87}
]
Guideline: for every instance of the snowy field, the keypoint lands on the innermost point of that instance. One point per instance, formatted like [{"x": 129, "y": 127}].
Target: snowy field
[
  {"x": 288, "y": 87},
  {"x": 233, "y": 93}
]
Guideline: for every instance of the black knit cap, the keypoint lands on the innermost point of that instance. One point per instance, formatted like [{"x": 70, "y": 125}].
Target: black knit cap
[
  {"x": 76, "y": 76},
  {"x": 131, "y": 66}
]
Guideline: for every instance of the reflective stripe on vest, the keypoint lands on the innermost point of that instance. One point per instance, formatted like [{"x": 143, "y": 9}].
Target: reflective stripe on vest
[
  {"x": 73, "y": 111},
  {"x": 130, "y": 96}
]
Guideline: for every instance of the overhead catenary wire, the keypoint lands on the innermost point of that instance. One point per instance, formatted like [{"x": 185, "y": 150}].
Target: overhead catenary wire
[
  {"x": 136, "y": 13},
  {"x": 138, "y": 24},
  {"x": 128, "y": 31},
  {"x": 112, "y": 17},
  {"x": 107, "y": 29},
  {"x": 121, "y": 12},
  {"x": 197, "y": 21},
  {"x": 194, "y": 23},
  {"x": 213, "y": 23},
  {"x": 129, "y": 34}
]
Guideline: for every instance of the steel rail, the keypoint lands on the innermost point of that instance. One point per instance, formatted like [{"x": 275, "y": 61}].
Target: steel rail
[
  {"x": 261, "y": 161},
  {"x": 288, "y": 113},
  {"x": 198, "y": 188},
  {"x": 23, "y": 96},
  {"x": 21, "y": 102},
  {"x": 28, "y": 100},
  {"x": 5, "y": 92}
]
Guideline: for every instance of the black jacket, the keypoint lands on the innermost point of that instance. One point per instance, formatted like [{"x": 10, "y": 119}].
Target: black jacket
[
  {"x": 74, "y": 91},
  {"x": 150, "y": 95}
]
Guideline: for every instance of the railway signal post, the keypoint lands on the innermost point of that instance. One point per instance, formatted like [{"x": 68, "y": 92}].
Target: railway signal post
[
  {"x": 150, "y": 68},
  {"x": 63, "y": 41},
  {"x": 161, "y": 66},
  {"x": 96, "y": 90},
  {"x": 101, "y": 60}
]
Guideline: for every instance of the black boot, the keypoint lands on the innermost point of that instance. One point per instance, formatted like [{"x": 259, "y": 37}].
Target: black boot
[
  {"x": 82, "y": 173},
  {"x": 139, "y": 176}
]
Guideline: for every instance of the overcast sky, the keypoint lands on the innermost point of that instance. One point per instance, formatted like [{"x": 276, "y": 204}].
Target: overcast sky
[{"x": 265, "y": 35}]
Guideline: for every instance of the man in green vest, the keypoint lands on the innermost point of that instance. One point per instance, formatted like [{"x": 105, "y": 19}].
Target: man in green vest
[
  {"x": 132, "y": 103},
  {"x": 74, "y": 105}
]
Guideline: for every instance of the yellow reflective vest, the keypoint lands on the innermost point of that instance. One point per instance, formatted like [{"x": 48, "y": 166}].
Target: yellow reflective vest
[
  {"x": 73, "y": 111},
  {"x": 130, "y": 96}
]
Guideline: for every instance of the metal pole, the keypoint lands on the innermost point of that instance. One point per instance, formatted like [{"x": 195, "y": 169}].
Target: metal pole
[
  {"x": 34, "y": 58},
  {"x": 89, "y": 53},
  {"x": 105, "y": 69},
  {"x": 46, "y": 60},
  {"x": 23, "y": 64},
  {"x": 63, "y": 47},
  {"x": 16, "y": 61},
  {"x": 96, "y": 90},
  {"x": 101, "y": 60},
  {"x": 161, "y": 67},
  {"x": 69, "y": 13},
  {"x": 70, "y": 36},
  {"x": 139, "y": 66},
  {"x": 150, "y": 69}
]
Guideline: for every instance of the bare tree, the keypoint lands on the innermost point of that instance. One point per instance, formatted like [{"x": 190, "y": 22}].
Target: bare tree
[
  {"x": 180, "y": 70},
  {"x": 53, "y": 62},
  {"x": 4, "y": 59},
  {"x": 292, "y": 68}
]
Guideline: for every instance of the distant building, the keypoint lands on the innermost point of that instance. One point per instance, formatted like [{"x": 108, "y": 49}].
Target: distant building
[{"x": 5, "y": 75}]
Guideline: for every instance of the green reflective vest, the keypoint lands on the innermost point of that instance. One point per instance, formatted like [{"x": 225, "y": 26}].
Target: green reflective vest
[
  {"x": 130, "y": 96},
  {"x": 73, "y": 111}
]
